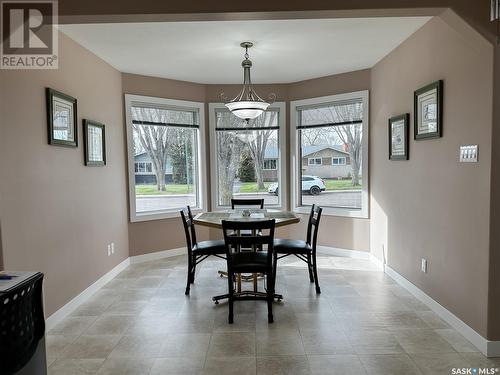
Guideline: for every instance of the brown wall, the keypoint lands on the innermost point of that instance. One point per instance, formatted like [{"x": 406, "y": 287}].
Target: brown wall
[
  {"x": 57, "y": 215},
  {"x": 494, "y": 282},
  {"x": 157, "y": 235},
  {"x": 432, "y": 206}
]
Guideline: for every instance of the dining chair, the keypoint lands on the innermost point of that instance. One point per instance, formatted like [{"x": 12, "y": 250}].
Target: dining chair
[
  {"x": 304, "y": 250},
  {"x": 249, "y": 261},
  {"x": 198, "y": 251},
  {"x": 247, "y": 203}
]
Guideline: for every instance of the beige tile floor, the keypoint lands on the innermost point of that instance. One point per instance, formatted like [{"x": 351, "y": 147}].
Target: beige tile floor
[{"x": 362, "y": 323}]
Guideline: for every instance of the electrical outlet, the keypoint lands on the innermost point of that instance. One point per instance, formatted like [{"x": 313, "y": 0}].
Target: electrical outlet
[
  {"x": 424, "y": 265},
  {"x": 112, "y": 247}
]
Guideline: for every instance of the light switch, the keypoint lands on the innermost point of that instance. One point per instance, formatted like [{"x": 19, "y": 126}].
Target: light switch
[{"x": 468, "y": 154}]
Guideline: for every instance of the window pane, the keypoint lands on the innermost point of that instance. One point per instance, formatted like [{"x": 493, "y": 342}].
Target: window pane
[
  {"x": 340, "y": 112},
  {"x": 166, "y": 160},
  {"x": 331, "y": 165},
  {"x": 247, "y": 160}
]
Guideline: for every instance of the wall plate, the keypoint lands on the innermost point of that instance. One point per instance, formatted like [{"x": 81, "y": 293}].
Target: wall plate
[{"x": 468, "y": 154}]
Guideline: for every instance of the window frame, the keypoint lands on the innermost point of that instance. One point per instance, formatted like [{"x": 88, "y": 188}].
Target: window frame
[
  {"x": 314, "y": 161},
  {"x": 282, "y": 159},
  {"x": 340, "y": 158},
  {"x": 200, "y": 151},
  {"x": 275, "y": 165},
  {"x": 296, "y": 160}
]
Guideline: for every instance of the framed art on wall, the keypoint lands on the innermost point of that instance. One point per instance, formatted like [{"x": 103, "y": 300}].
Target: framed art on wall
[
  {"x": 61, "y": 119},
  {"x": 428, "y": 103},
  {"x": 95, "y": 143},
  {"x": 398, "y": 137}
]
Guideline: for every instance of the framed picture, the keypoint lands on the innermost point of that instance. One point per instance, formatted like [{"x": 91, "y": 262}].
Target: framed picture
[
  {"x": 398, "y": 137},
  {"x": 61, "y": 119},
  {"x": 95, "y": 143},
  {"x": 428, "y": 102}
]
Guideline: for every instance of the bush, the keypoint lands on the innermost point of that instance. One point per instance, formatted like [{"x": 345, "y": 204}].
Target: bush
[{"x": 246, "y": 171}]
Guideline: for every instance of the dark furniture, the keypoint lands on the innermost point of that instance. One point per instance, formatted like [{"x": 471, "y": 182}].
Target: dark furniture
[
  {"x": 261, "y": 236},
  {"x": 22, "y": 328},
  {"x": 247, "y": 203},
  {"x": 304, "y": 250},
  {"x": 198, "y": 251}
]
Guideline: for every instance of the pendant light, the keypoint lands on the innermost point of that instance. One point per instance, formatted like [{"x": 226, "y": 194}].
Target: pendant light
[{"x": 247, "y": 104}]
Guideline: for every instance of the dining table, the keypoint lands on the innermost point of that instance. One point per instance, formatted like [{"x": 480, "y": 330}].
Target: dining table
[{"x": 214, "y": 219}]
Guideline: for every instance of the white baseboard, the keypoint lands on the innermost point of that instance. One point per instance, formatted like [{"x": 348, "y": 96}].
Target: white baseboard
[
  {"x": 488, "y": 348},
  {"x": 71, "y": 306},
  {"x": 157, "y": 255},
  {"x": 355, "y": 254}
]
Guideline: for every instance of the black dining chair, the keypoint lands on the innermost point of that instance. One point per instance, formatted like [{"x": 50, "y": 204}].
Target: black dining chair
[
  {"x": 249, "y": 261},
  {"x": 247, "y": 203},
  {"x": 304, "y": 250},
  {"x": 198, "y": 251}
]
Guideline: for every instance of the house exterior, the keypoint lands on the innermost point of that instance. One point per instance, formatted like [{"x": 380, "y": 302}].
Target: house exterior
[
  {"x": 144, "y": 172},
  {"x": 326, "y": 161}
]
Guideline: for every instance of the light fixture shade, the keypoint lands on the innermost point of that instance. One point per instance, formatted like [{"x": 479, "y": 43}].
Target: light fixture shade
[{"x": 247, "y": 110}]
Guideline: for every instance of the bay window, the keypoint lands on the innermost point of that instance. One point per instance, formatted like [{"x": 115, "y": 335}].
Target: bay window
[
  {"x": 329, "y": 147},
  {"x": 165, "y": 141},
  {"x": 246, "y": 158}
]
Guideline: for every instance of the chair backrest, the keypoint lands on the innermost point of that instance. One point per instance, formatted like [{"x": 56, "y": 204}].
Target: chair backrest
[
  {"x": 313, "y": 226},
  {"x": 189, "y": 231},
  {"x": 22, "y": 323},
  {"x": 258, "y": 234},
  {"x": 247, "y": 203}
]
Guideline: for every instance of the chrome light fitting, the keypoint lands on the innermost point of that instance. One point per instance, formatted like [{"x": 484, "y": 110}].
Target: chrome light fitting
[{"x": 247, "y": 104}]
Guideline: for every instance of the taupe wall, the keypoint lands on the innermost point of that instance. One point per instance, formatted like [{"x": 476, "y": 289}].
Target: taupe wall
[
  {"x": 494, "y": 283},
  {"x": 157, "y": 235},
  {"x": 432, "y": 206},
  {"x": 57, "y": 215}
]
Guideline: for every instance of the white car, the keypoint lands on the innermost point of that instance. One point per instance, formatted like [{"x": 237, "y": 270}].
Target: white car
[{"x": 310, "y": 184}]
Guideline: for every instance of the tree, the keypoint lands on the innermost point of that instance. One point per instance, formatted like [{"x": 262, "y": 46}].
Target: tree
[
  {"x": 181, "y": 155},
  {"x": 246, "y": 171},
  {"x": 153, "y": 140},
  {"x": 257, "y": 143},
  {"x": 229, "y": 148}
]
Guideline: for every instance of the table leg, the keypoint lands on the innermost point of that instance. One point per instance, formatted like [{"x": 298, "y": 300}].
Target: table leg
[{"x": 255, "y": 282}]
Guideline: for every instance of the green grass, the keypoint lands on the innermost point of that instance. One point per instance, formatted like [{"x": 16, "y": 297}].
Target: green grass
[
  {"x": 340, "y": 185},
  {"x": 170, "y": 189},
  {"x": 246, "y": 187}
]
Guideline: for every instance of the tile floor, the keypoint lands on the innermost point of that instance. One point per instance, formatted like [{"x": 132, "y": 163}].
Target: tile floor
[{"x": 362, "y": 323}]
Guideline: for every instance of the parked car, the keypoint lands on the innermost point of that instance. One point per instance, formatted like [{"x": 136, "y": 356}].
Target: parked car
[{"x": 310, "y": 184}]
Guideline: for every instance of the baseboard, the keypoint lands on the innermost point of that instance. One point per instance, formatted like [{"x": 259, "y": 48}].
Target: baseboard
[
  {"x": 488, "y": 348},
  {"x": 157, "y": 255},
  {"x": 355, "y": 254},
  {"x": 72, "y": 305}
]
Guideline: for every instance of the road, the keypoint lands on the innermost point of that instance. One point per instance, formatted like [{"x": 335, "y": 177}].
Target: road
[{"x": 350, "y": 199}]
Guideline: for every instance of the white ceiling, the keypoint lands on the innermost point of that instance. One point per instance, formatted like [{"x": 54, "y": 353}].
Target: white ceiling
[{"x": 209, "y": 52}]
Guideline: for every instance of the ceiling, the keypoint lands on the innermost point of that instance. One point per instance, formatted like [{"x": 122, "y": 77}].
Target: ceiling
[{"x": 209, "y": 52}]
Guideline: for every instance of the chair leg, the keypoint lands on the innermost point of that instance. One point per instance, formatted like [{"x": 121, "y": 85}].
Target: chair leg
[
  {"x": 194, "y": 271},
  {"x": 231, "y": 296},
  {"x": 310, "y": 268},
  {"x": 270, "y": 295},
  {"x": 315, "y": 270},
  {"x": 189, "y": 277}
]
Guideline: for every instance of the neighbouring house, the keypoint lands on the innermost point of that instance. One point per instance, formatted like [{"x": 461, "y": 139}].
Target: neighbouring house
[
  {"x": 323, "y": 161},
  {"x": 326, "y": 161},
  {"x": 144, "y": 172}
]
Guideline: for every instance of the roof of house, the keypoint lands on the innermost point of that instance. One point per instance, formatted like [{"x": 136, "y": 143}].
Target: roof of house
[{"x": 272, "y": 151}]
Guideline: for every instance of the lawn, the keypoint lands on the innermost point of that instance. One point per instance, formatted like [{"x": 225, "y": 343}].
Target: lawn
[
  {"x": 170, "y": 189},
  {"x": 246, "y": 187}
]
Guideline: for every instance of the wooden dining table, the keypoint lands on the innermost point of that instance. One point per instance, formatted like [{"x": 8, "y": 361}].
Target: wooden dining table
[{"x": 214, "y": 220}]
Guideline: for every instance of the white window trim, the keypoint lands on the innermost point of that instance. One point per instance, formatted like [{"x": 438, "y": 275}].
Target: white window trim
[
  {"x": 314, "y": 161},
  {"x": 202, "y": 165},
  {"x": 281, "y": 106},
  {"x": 343, "y": 160},
  {"x": 295, "y": 182},
  {"x": 145, "y": 172}
]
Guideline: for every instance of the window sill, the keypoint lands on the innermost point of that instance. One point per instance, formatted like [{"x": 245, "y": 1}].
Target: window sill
[
  {"x": 332, "y": 211},
  {"x": 162, "y": 215}
]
